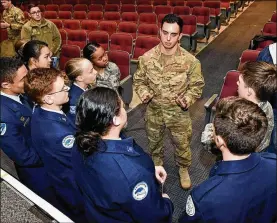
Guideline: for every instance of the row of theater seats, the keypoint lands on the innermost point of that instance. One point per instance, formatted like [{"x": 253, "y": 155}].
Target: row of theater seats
[{"x": 229, "y": 87}]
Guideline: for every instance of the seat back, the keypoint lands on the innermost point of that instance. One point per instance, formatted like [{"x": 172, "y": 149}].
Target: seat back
[
  {"x": 65, "y": 15},
  {"x": 128, "y": 8},
  {"x": 273, "y": 18},
  {"x": 162, "y": 9},
  {"x": 80, "y": 7},
  {"x": 122, "y": 60},
  {"x": 129, "y": 17},
  {"x": 111, "y": 8},
  {"x": 96, "y": 7},
  {"x": 160, "y": 18},
  {"x": 144, "y": 2},
  {"x": 79, "y": 15},
  {"x": 52, "y": 7},
  {"x": 89, "y": 25},
  {"x": 128, "y": 27},
  {"x": 86, "y": 2},
  {"x": 77, "y": 37},
  {"x": 97, "y": 15},
  {"x": 122, "y": 41},
  {"x": 149, "y": 18},
  {"x": 230, "y": 87},
  {"x": 145, "y": 29},
  {"x": 124, "y": 2},
  {"x": 214, "y": 6},
  {"x": 248, "y": 55},
  {"x": 189, "y": 22},
  {"x": 159, "y": 2},
  {"x": 143, "y": 44},
  {"x": 42, "y": 8},
  {"x": 270, "y": 29},
  {"x": 144, "y": 9},
  {"x": 58, "y": 2},
  {"x": 112, "y": 16},
  {"x": 193, "y": 4},
  {"x": 202, "y": 14},
  {"x": 68, "y": 52},
  {"x": 66, "y": 7},
  {"x": 181, "y": 10},
  {"x": 113, "y": 2},
  {"x": 100, "y": 37},
  {"x": 57, "y": 22},
  {"x": 108, "y": 26},
  {"x": 63, "y": 36},
  {"x": 176, "y": 3},
  {"x": 72, "y": 24},
  {"x": 50, "y": 15}
]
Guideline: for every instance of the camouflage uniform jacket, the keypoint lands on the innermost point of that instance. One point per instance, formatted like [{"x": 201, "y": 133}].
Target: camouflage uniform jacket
[
  {"x": 15, "y": 17},
  {"x": 181, "y": 73},
  {"x": 45, "y": 31},
  {"x": 110, "y": 78}
]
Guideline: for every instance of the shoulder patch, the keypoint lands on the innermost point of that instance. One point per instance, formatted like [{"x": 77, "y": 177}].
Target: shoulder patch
[
  {"x": 190, "y": 208},
  {"x": 140, "y": 191},
  {"x": 3, "y": 128},
  {"x": 72, "y": 110},
  {"x": 68, "y": 141}
]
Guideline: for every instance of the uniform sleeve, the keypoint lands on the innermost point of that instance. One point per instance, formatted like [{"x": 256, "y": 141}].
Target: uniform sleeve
[
  {"x": 57, "y": 40},
  {"x": 195, "y": 83},
  {"x": 19, "y": 20},
  {"x": 117, "y": 74},
  {"x": 191, "y": 213},
  {"x": 15, "y": 146},
  {"x": 140, "y": 81},
  {"x": 25, "y": 33}
]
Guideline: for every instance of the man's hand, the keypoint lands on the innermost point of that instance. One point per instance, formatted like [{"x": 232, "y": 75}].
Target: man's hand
[
  {"x": 146, "y": 98},
  {"x": 181, "y": 101},
  {"x": 4, "y": 25},
  {"x": 160, "y": 174}
]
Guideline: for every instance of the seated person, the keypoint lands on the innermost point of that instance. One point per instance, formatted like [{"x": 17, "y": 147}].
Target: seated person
[
  {"x": 241, "y": 187},
  {"x": 116, "y": 177},
  {"x": 53, "y": 136},
  {"x": 36, "y": 54},
  {"x": 108, "y": 73},
  {"x": 257, "y": 83},
  {"x": 15, "y": 134},
  {"x": 81, "y": 73}
]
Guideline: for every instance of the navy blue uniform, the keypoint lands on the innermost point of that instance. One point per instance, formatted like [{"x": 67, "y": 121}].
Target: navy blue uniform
[
  {"x": 74, "y": 95},
  {"x": 242, "y": 191},
  {"x": 53, "y": 137},
  {"x": 16, "y": 142},
  {"x": 119, "y": 184}
]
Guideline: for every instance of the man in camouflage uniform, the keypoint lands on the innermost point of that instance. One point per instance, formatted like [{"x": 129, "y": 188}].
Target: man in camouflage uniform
[
  {"x": 39, "y": 28},
  {"x": 13, "y": 20},
  {"x": 169, "y": 79}
]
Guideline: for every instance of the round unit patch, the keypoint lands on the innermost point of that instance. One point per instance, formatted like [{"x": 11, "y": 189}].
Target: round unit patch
[
  {"x": 3, "y": 128},
  {"x": 140, "y": 191},
  {"x": 68, "y": 141},
  {"x": 190, "y": 209}
]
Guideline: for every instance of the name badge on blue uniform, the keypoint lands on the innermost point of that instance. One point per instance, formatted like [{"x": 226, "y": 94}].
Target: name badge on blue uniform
[
  {"x": 68, "y": 141},
  {"x": 3, "y": 128},
  {"x": 140, "y": 191}
]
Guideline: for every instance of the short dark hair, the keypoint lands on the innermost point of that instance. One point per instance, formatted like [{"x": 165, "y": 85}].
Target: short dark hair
[
  {"x": 241, "y": 123},
  {"x": 94, "y": 117},
  {"x": 261, "y": 77},
  {"x": 8, "y": 68},
  {"x": 89, "y": 50},
  {"x": 32, "y": 6},
  {"x": 172, "y": 18},
  {"x": 32, "y": 49}
]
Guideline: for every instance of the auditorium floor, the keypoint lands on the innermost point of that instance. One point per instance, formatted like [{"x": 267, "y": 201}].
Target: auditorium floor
[{"x": 218, "y": 57}]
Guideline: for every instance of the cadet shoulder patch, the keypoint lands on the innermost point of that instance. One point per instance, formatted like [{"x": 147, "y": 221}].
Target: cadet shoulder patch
[
  {"x": 72, "y": 109},
  {"x": 3, "y": 128},
  {"x": 190, "y": 209},
  {"x": 68, "y": 141},
  {"x": 140, "y": 191}
]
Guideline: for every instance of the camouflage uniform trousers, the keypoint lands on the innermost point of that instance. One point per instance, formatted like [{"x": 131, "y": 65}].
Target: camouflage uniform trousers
[{"x": 178, "y": 122}]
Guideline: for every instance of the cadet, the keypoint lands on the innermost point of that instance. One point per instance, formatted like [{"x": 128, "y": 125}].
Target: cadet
[
  {"x": 169, "y": 79},
  {"x": 81, "y": 73},
  {"x": 15, "y": 137},
  {"x": 242, "y": 187},
  {"x": 116, "y": 177},
  {"x": 13, "y": 20},
  {"x": 39, "y": 28},
  {"x": 53, "y": 136}
]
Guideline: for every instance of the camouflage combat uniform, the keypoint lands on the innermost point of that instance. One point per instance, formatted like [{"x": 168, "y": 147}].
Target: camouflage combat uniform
[
  {"x": 45, "y": 31},
  {"x": 15, "y": 17},
  {"x": 163, "y": 77}
]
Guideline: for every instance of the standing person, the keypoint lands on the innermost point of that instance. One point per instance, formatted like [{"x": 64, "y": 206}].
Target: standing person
[
  {"x": 13, "y": 20},
  {"x": 118, "y": 180},
  {"x": 81, "y": 73},
  {"x": 39, "y": 28},
  {"x": 108, "y": 73},
  {"x": 169, "y": 80},
  {"x": 241, "y": 187},
  {"x": 53, "y": 136},
  {"x": 15, "y": 134}
]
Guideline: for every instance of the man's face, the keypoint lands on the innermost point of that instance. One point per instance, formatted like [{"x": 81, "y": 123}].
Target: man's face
[
  {"x": 59, "y": 93},
  {"x": 170, "y": 35},
  {"x": 6, "y": 4},
  {"x": 44, "y": 60},
  {"x": 17, "y": 87},
  {"x": 35, "y": 13},
  {"x": 243, "y": 90}
]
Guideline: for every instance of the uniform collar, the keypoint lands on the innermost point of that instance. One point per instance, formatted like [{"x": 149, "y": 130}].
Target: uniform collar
[
  {"x": 34, "y": 23},
  {"x": 123, "y": 146},
  {"x": 13, "y": 97},
  {"x": 158, "y": 51},
  {"x": 77, "y": 86},
  {"x": 15, "y": 105},
  {"x": 238, "y": 166}
]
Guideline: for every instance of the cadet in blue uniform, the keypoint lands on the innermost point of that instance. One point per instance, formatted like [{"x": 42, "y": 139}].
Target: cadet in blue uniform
[
  {"x": 15, "y": 139},
  {"x": 116, "y": 177},
  {"x": 53, "y": 136},
  {"x": 81, "y": 74},
  {"x": 242, "y": 187}
]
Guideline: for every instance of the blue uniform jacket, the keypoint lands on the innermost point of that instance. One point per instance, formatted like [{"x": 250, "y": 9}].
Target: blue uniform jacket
[
  {"x": 53, "y": 137},
  {"x": 74, "y": 95},
  {"x": 16, "y": 142},
  {"x": 119, "y": 184},
  {"x": 242, "y": 191}
]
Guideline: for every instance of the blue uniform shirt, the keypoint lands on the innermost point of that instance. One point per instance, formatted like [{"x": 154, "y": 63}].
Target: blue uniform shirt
[
  {"x": 74, "y": 95},
  {"x": 16, "y": 142},
  {"x": 118, "y": 184},
  {"x": 237, "y": 191},
  {"x": 53, "y": 137}
]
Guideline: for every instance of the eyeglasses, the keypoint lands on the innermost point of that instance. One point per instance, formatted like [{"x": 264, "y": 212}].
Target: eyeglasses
[
  {"x": 37, "y": 12},
  {"x": 65, "y": 88}
]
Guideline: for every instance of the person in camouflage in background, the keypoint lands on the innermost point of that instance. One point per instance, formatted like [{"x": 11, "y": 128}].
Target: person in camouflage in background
[
  {"x": 169, "y": 79},
  {"x": 13, "y": 20}
]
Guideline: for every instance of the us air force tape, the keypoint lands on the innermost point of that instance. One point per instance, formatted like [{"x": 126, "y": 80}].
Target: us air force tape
[
  {"x": 190, "y": 209},
  {"x": 140, "y": 191}
]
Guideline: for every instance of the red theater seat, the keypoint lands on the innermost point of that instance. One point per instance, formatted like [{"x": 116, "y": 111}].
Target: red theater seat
[
  {"x": 129, "y": 17},
  {"x": 77, "y": 37},
  {"x": 143, "y": 44},
  {"x": 128, "y": 27},
  {"x": 145, "y": 29},
  {"x": 100, "y": 37},
  {"x": 68, "y": 52}
]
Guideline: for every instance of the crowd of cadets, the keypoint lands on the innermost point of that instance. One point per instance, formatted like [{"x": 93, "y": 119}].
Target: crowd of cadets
[{"x": 63, "y": 132}]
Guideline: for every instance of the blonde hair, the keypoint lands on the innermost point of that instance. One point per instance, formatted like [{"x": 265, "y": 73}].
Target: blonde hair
[{"x": 74, "y": 68}]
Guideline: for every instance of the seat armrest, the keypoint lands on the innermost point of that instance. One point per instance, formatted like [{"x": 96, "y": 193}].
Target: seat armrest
[{"x": 211, "y": 102}]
